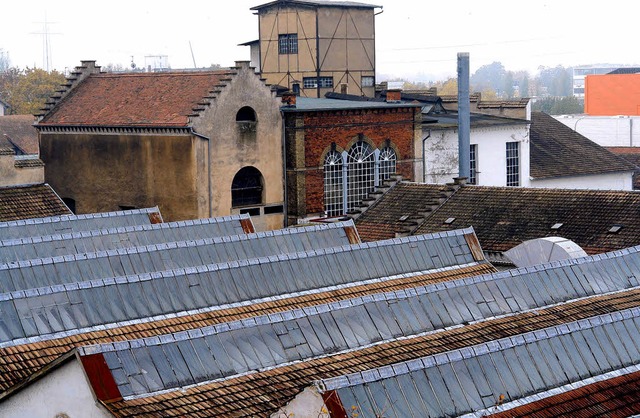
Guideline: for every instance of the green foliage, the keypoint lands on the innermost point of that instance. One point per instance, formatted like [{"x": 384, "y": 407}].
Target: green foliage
[
  {"x": 559, "y": 105},
  {"x": 26, "y": 91}
]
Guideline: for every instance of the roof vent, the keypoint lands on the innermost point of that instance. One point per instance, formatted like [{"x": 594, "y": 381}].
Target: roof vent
[
  {"x": 615, "y": 229},
  {"x": 557, "y": 225},
  {"x": 404, "y": 218},
  {"x": 449, "y": 221}
]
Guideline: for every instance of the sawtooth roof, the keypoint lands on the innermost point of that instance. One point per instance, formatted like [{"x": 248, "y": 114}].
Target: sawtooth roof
[
  {"x": 503, "y": 217},
  {"x": 162, "y": 99},
  {"x": 37, "y": 227},
  {"x": 558, "y": 151},
  {"x": 30, "y": 201},
  {"x": 262, "y": 391}
]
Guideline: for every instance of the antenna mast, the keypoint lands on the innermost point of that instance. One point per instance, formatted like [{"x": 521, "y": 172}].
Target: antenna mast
[
  {"x": 46, "y": 45},
  {"x": 192, "y": 56}
]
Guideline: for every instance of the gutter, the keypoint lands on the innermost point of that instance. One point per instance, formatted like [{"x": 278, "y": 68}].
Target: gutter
[{"x": 209, "y": 183}]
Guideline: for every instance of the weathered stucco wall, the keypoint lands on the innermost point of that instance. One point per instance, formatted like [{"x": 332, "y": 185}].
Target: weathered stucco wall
[
  {"x": 63, "y": 392},
  {"x": 234, "y": 145},
  {"x": 12, "y": 175},
  {"x": 106, "y": 171}
]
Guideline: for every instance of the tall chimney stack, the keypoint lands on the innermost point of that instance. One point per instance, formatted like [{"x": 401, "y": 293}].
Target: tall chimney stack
[{"x": 464, "y": 116}]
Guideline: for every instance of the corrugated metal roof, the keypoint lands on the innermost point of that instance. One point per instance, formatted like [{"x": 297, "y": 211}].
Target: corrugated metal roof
[
  {"x": 73, "y": 268},
  {"x": 74, "y": 223},
  {"x": 73, "y": 306},
  {"x": 62, "y": 244},
  {"x": 268, "y": 341},
  {"x": 477, "y": 378}
]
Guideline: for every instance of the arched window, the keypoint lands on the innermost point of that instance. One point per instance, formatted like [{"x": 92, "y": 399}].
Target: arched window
[
  {"x": 246, "y": 188},
  {"x": 360, "y": 175},
  {"x": 333, "y": 204},
  {"x": 387, "y": 163},
  {"x": 246, "y": 114}
]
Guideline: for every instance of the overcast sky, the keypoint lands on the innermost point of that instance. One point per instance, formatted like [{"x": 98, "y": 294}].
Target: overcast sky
[{"x": 417, "y": 40}]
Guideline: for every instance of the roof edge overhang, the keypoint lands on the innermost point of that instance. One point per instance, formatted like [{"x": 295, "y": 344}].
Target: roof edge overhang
[
  {"x": 612, "y": 171},
  {"x": 313, "y": 4},
  {"x": 34, "y": 377},
  {"x": 110, "y": 129}
]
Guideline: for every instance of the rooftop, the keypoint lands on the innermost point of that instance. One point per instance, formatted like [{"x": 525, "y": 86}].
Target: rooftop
[
  {"x": 30, "y": 201},
  {"x": 316, "y": 3}
]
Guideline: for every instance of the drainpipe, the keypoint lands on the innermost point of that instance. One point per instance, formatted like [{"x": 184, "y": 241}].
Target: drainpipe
[
  {"x": 424, "y": 157},
  {"x": 209, "y": 184},
  {"x": 284, "y": 170},
  {"x": 464, "y": 116}
]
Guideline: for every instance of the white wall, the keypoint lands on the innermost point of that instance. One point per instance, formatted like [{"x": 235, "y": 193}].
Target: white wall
[
  {"x": 611, "y": 181},
  {"x": 606, "y": 131},
  {"x": 441, "y": 154},
  {"x": 308, "y": 403},
  {"x": 64, "y": 390}
]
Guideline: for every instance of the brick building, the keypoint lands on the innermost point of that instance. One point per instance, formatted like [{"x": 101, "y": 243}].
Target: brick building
[{"x": 337, "y": 151}]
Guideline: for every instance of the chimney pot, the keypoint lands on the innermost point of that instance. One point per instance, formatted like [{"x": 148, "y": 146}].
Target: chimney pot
[
  {"x": 289, "y": 99},
  {"x": 394, "y": 95}
]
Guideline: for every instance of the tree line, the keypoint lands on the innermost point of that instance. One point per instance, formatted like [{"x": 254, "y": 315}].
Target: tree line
[{"x": 26, "y": 90}]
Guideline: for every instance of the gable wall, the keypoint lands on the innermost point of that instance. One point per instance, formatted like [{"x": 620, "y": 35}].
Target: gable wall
[{"x": 236, "y": 145}]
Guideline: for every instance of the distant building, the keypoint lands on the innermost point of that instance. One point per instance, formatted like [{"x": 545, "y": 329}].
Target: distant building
[
  {"x": 580, "y": 72},
  {"x": 316, "y": 46},
  {"x": 612, "y": 94},
  {"x": 20, "y": 163}
]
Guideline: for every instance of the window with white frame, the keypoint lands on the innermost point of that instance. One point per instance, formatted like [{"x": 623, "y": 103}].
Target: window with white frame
[
  {"x": 333, "y": 200},
  {"x": 288, "y": 43},
  {"x": 350, "y": 176},
  {"x": 473, "y": 164},
  {"x": 360, "y": 173},
  {"x": 513, "y": 164},
  {"x": 387, "y": 163},
  {"x": 314, "y": 82}
]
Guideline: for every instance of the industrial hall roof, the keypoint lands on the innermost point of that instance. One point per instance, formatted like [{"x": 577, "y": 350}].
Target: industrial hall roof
[
  {"x": 503, "y": 217},
  {"x": 473, "y": 340},
  {"x": 87, "y": 266},
  {"x": 60, "y": 224},
  {"x": 40, "y": 324},
  {"x": 160, "y": 99},
  {"x": 118, "y": 237},
  {"x": 30, "y": 201},
  {"x": 558, "y": 151}
]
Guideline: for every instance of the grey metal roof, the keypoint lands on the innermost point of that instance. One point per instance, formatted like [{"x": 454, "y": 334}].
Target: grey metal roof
[
  {"x": 74, "y": 223},
  {"x": 75, "y": 306},
  {"x": 62, "y": 244},
  {"x": 305, "y": 104},
  {"x": 470, "y": 380},
  {"x": 71, "y": 268},
  {"x": 321, "y": 3},
  {"x": 233, "y": 348}
]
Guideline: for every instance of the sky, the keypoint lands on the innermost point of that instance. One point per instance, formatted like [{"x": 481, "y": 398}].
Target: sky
[{"x": 416, "y": 40}]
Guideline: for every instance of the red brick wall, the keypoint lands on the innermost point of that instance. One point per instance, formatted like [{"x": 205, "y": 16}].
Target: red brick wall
[{"x": 343, "y": 127}]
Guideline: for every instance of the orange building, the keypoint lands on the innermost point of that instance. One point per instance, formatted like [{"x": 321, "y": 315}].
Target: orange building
[{"x": 612, "y": 94}]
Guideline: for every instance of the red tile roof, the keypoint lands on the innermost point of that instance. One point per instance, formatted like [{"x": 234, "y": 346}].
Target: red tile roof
[
  {"x": 134, "y": 99},
  {"x": 33, "y": 201},
  {"x": 615, "y": 397},
  {"x": 19, "y": 130}
]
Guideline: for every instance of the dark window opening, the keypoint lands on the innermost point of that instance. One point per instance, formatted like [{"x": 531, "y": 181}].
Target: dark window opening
[
  {"x": 126, "y": 207},
  {"x": 246, "y": 114},
  {"x": 250, "y": 211},
  {"x": 268, "y": 210},
  {"x": 71, "y": 204},
  {"x": 246, "y": 188}
]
